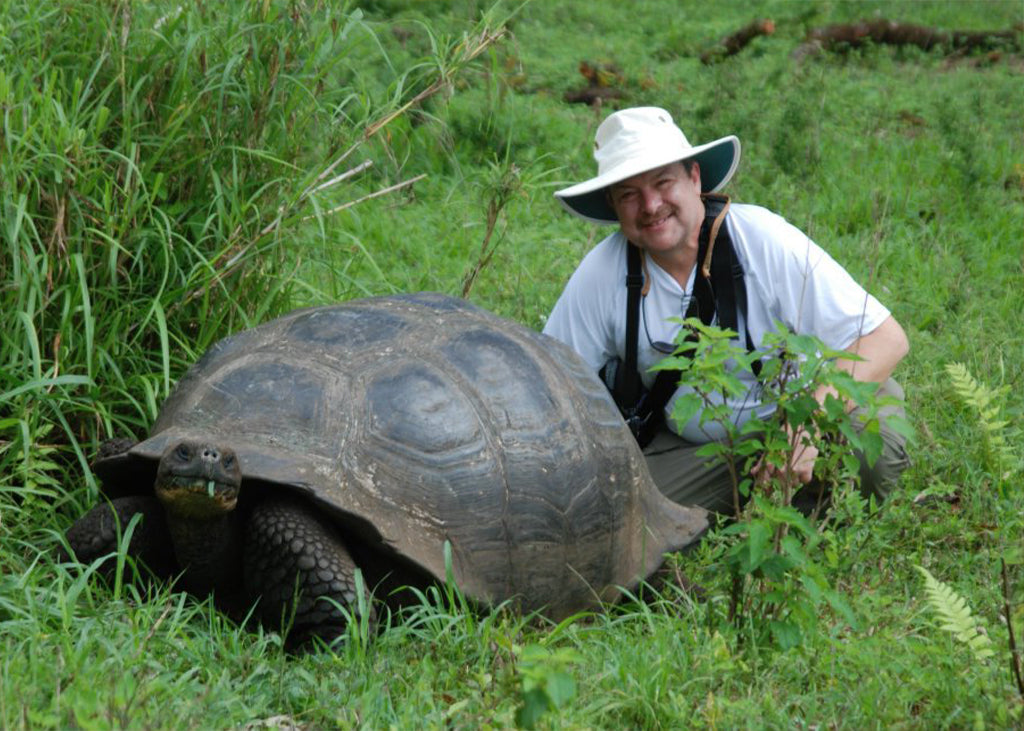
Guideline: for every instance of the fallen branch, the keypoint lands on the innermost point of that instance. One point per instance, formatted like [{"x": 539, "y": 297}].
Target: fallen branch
[
  {"x": 604, "y": 81},
  {"x": 736, "y": 42},
  {"x": 842, "y": 37},
  {"x": 592, "y": 95}
]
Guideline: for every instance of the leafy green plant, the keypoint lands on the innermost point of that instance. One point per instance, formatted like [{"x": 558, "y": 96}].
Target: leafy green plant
[
  {"x": 504, "y": 183},
  {"x": 776, "y": 584},
  {"x": 704, "y": 363},
  {"x": 547, "y": 684}
]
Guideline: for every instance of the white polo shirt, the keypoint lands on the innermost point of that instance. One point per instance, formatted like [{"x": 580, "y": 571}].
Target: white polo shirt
[{"x": 788, "y": 278}]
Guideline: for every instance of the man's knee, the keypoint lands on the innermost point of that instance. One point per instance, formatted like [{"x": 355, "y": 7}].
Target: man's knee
[
  {"x": 686, "y": 478},
  {"x": 880, "y": 478}
]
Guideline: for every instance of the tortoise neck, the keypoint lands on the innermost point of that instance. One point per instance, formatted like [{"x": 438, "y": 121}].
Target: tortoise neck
[{"x": 209, "y": 553}]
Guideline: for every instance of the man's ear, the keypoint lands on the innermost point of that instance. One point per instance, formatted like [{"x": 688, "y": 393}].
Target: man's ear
[{"x": 695, "y": 173}]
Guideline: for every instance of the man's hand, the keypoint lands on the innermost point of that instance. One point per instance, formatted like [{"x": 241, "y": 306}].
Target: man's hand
[
  {"x": 880, "y": 351},
  {"x": 802, "y": 456}
]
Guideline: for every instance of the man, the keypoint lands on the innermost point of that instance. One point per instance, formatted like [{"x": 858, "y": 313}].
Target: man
[{"x": 650, "y": 182}]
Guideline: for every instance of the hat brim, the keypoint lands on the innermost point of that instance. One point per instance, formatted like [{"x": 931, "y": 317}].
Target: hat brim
[{"x": 718, "y": 161}]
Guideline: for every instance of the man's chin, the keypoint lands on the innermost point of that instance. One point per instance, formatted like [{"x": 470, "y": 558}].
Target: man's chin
[{"x": 661, "y": 242}]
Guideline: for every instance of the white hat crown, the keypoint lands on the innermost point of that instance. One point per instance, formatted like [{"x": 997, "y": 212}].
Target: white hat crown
[{"x": 633, "y": 134}]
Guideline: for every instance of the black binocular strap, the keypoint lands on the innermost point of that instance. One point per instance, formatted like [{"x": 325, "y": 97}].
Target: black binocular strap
[{"x": 634, "y": 290}]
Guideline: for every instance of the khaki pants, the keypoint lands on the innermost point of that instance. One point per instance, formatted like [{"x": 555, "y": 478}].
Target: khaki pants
[{"x": 691, "y": 480}]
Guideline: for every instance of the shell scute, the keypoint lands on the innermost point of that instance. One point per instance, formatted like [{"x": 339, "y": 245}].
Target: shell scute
[{"x": 414, "y": 408}]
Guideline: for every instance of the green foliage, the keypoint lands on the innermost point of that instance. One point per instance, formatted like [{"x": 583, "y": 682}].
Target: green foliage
[
  {"x": 777, "y": 585},
  {"x": 955, "y": 616},
  {"x": 998, "y": 455},
  {"x": 547, "y": 684},
  {"x": 771, "y": 563},
  {"x": 139, "y": 184},
  {"x": 504, "y": 182},
  {"x": 1001, "y": 463}
]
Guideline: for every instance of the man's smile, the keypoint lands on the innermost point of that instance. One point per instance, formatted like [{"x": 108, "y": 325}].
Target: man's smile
[{"x": 657, "y": 222}]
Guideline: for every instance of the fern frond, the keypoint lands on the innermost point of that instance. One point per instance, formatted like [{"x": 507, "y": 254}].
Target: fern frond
[
  {"x": 987, "y": 402},
  {"x": 976, "y": 394},
  {"x": 955, "y": 615}
]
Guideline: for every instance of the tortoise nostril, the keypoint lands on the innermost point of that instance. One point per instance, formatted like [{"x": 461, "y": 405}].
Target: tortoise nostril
[{"x": 210, "y": 454}]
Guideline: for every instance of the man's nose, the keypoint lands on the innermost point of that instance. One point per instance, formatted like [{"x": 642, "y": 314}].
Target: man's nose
[{"x": 650, "y": 199}]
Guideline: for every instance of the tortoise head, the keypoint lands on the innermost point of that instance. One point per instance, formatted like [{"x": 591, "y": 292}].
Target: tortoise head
[{"x": 197, "y": 479}]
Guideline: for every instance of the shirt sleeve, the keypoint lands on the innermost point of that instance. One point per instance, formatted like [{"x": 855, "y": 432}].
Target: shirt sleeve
[
  {"x": 800, "y": 284},
  {"x": 584, "y": 315}
]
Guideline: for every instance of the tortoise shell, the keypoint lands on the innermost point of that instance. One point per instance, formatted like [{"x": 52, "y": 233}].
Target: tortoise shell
[{"x": 422, "y": 420}]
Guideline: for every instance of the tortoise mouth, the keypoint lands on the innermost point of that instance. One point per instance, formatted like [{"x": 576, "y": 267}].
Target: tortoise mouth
[
  {"x": 189, "y": 493},
  {"x": 198, "y": 479}
]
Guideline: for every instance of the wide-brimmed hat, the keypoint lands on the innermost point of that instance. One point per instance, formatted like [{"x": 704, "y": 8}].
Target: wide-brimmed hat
[{"x": 633, "y": 141}]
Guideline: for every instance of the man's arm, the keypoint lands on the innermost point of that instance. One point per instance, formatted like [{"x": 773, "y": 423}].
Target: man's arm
[
  {"x": 593, "y": 299},
  {"x": 881, "y": 349}
]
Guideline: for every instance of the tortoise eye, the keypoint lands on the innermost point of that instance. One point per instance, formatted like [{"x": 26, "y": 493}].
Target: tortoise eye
[
  {"x": 228, "y": 461},
  {"x": 183, "y": 451}
]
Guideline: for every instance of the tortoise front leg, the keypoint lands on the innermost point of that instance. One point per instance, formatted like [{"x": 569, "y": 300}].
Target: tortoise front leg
[
  {"x": 300, "y": 572},
  {"x": 96, "y": 534}
]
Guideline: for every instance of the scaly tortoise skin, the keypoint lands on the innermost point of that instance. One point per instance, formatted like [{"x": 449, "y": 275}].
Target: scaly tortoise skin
[{"x": 371, "y": 434}]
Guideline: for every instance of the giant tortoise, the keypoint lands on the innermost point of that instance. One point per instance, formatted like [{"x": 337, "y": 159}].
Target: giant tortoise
[{"x": 408, "y": 437}]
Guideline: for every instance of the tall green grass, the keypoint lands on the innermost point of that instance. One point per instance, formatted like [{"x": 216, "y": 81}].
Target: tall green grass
[{"x": 162, "y": 183}]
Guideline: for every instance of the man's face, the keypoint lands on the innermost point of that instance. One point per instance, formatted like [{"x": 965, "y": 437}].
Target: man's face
[{"x": 660, "y": 210}]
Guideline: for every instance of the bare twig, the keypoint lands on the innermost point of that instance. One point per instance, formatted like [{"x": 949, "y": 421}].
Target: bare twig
[
  {"x": 235, "y": 261},
  {"x": 485, "y": 39},
  {"x": 330, "y": 169},
  {"x": 152, "y": 631},
  {"x": 507, "y": 186},
  {"x": 375, "y": 194},
  {"x": 308, "y": 192},
  {"x": 1008, "y": 612},
  {"x": 344, "y": 176},
  {"x": 486, "y": 251}
]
